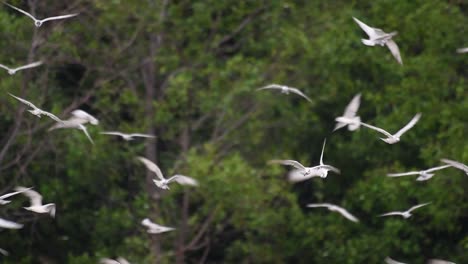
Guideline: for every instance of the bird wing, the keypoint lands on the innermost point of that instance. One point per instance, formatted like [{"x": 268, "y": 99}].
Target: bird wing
[
  {"x": 456, "y": 164},
  {"x": 391, "y": 213},
  {"x": 183, "y": 180},
  {"x": 346, "y": 214},
  {"x": 438, "y": 168},
  {"x": 142, "y": 135},
  {"x": 83, "y": 128},
  {"x": 297, "y": 91},
  {"x": 35, "y": 197},
  {"x": 21, "y": 11},
  {"x": 377, "y": 129},
  {"x": 108, "y": 261},
  {"x": 403, "y": 174},
  {"x": 296, "y": 176},
  {"x": 59, "y": 17},
  {"x": 439, "y": 261},
  {"x": 30, "y": 65},
  {"x": 417, "y": 206},
  {"x": 314, "y": 205},
  {"x": 409, "y": 125},
  {"x": 114, "y": 133},
  {"x": 388, "y": 260},
  {"x": 122, "y": 260},
  {"x": 353, "y": 106},
  {"x": 323, "y": 149},
  {"x": 54, "y": 117},
  {"x": 9, "y": 224},
  {"x": 152, "y": 167},
  {"x": 370, "y": 31},
  {"x": 393, "y": 47},
  {"x": 271, "y": 86},
  {"x": 293, "y": 163},
  {"x": 330, "y": 168},
  {"x": 13, "y": 193},
  {"x": 24, "y": 101},
  {"x": 462, "y": 50},
  {"x": 5, "y": 67}
]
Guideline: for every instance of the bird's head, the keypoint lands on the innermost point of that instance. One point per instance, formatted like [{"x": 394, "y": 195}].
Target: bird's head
[{"x": 424, "y": 176}]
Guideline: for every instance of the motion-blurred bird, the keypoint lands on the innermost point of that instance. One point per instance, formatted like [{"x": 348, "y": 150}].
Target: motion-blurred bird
[
  {"x": 3, "y": 197},
  {"x": 119, "y": 260},
  {"x": 349, "y": 117},
  {"x": 39, "y": 22},
  {"x": 285, "y": 89},
  {"x": 439, "y": 261},
  {"x": 163, "y": 182},
  {"x": 9, "y": 224},
  {"x": 77, "y": 121},
  {"x": 335, "y": 208},
  {"x": 456, "y": 164},
  {"x": 407, "y": 213},
  {"x": 12, "y": 71},
  {"x": 37, "y": 111},
  {"x": 388, "y": 260},
  {"x": 3, "y": 252},
  {"x": 424, "y": 175},
  {"x": 392, "y": 139},
  {"x": 36, "y": 202},
  {"x": 154, "y": 228},
  {"x": 319, "y": 170},
  {"x": 127, "y": 137},
  {"x": 379, "y": 37},
  {"x": 462, "y": 50}
]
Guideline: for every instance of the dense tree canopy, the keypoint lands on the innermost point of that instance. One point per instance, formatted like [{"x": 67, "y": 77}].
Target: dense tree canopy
[{"x": 187, "y": 71}]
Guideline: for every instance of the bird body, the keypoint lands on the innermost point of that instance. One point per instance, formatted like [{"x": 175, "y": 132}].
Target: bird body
[
  {"x": 462, "y": 50},
  {"x": 154, "y": 228},
  {"x": 349, "y": 117},
  {"x": 335, "y": 208},
  {"x": 392, "y": 139}
]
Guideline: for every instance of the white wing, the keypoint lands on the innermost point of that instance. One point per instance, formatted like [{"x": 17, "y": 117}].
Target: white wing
[
  {"x": 462, "y": 50},
  {"x": 293, "y": 163},
  {"x": 9, "y": 224},
  {"x": 58, "y": 17},
  {"x": 439, "y": 261},
  {"x": 35, "y": 197},
  {"x": 54, "y": 117},
  {"x": 438, "y": 168},
  {"x": 456, "y": 164},
  {"x": 377, "y": 129},
  {"x": 85, "y": 116},
  {"x": 108, "y": 261},
  {"x": 21, "y": 11},
  {"x": 183, "y": 180},
  {"x": 152, "y": 167},
  {"x": 403, "y": 174},
  {"x": 323, "y": 149},
  {"x": 83, "y": 128},
  {"x": 122, "y": 260},
  {"x": 393, "y": 47},
  {"x": 369, "y": 30},
  {"x": 114, "y": 133},
  {"x": 13, "y": 193},
  {"x": 24, "y": 101},
  {"x": 388, "y": 260},
  {"x": 329, "y": 167},
  {"x": 297, "y": 176},
  {"x": 297, "y": 91},
  {"x": 409, "y": 125},
  {"x": 314, "y": 205},
  {"x": 271, "y": 86},
  {"x": 353, "y": 106},
  {"x": 27, "y": 66},
  {"x": 345, "y": 213},
  {"x": 4, "y": 252},
  {"x": 5, "y": 67},
  {"x": 142, "y": 135},
  {"x": 391, "y": 213},
  {"x": 417, "y": 206}
]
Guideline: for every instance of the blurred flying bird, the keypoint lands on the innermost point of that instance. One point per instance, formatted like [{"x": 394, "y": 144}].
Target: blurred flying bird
[
  {"x": 154, "y": 228},
  {"x": 3, "y": 197},
  {"x": 319, "y": 170},
  {"x": 424, "y": 175},
  {"x": 349, "y": 117},
  {"x": 388, "y": 260},
  {"x": 439, "y": 261},
  {"x": 12, "y": 71},
  {"x": 9, "y": 224},
  {"x": 36, "y": 202},
  {"x": 456, "y": 164},
  {"x": 37, "y": 111},
  {"x": 127, "y": 137},
  {"x": 77, "y": 121},
  {"x": 119, "y": 260},
  {"x": 38, "y": 22},
  {"x": 379, "y": 37},
  {"x": 285, "y": 89},
  {"x": 3, "y": 252},
  {"x": 462, "y": 50},
  {"x": 392, "y": 139},
  {"x": 407, "y": 213},
  {"x": 163, "y": 182},
  {"x": 335, "y": 208}
]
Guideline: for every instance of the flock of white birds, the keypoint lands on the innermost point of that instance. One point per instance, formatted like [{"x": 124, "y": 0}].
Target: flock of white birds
[{"x": 80, "y": 118}]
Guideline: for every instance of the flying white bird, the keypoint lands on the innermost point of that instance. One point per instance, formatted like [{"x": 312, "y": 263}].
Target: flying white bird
[
  {"x": 127, "y": 137},
  {"x": 392, "y": 139},
  {"x": 456, "y": 164},
  {"x": 12, "y": 71},
  {"x": 77, "y": 121},
  {"x": 285, "y": 89},
  {"x": 38, "y": 22},
  {"x": 4, "y": 252},
  {"x": 424, "y": 175},
  {"x": 119, "y": 260},
  {"x": 154, "y": 228},
  {"x": 36, "y": 202},
  {"x": 349, "y": 117},
  {"x": 37, "y": 111},
  {"x": 3, "y": 197},
  {"x": 462, "y": 50},
  {"x": 319, "y": 170},
  {"x": 163, "y": 182},
  {"x": 335, "y": 208},
  {"x": 388, "y": 260},
  {"x": 9, "y": 224},
  {"x": 379, "y": 37},
  {"x": 439, "y": 261},
  {"x": 407, "y": 213}
]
